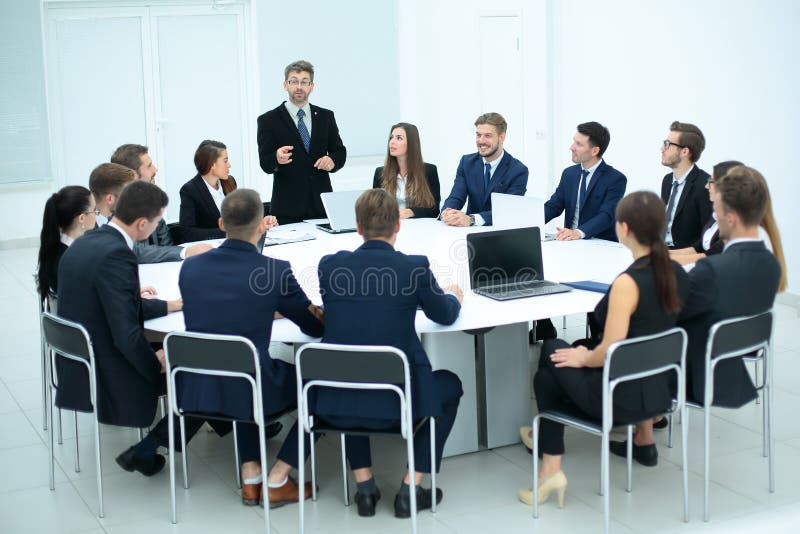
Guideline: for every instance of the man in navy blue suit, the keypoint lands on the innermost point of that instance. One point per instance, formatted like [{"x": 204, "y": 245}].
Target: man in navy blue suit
[
  {"x": 364, "y": 309},
  {"x": 589, "y": 191},
  {"x": 489, "y": 170},
  {"x": 235, "y": 290}
]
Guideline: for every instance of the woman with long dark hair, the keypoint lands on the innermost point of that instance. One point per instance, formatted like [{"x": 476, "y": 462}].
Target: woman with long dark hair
[
  {"x": 68, "y": 213},
  {"x": 645, "y": 299},
  {"x": 406, "y": 176}
]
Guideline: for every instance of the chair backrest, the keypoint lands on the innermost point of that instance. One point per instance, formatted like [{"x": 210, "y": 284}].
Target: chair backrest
[
  {"x": 646, "y": 355},
  {"x": 211, "y": 352},
  {"x": 67, "y": 338},
  {"x": 738, "y": 336},
  {"x": 357, "y": 364}
]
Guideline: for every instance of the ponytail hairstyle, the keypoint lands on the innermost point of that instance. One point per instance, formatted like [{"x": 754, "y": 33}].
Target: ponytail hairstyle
[
  {"x": 645, "y": 214},
  {"x": 60, "y": 212}
]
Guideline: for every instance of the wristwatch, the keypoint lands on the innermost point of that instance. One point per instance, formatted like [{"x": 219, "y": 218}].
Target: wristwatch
[{"x": 471, "y": 220}]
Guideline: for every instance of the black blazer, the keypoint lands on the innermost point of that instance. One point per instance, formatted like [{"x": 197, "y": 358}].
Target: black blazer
[
  {"x": 297, "y": 185},
  {"x": 693, "y": 210},
  {"x": 99, "y": 288},
  {"x": 742, "y": 280},
  {"x": 199, "y": 214},
  {"x": 432, "y": 176}
]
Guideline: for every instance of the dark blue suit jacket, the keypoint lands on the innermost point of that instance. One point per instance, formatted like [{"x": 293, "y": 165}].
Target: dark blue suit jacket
[
  {"x": 510, "y": 177},
  {"x": 371, "y": 297},
  {"x": 606, "y": 188},
  {"x": 235, "y": 290}
]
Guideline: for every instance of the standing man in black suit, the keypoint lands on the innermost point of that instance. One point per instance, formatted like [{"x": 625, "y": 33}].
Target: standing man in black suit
[
  {"x": 159, "y": 246},
  {"x": 299, "y": 144},
  {"x": 683, "y": 190},
  {"x": 742, "y": 280}
]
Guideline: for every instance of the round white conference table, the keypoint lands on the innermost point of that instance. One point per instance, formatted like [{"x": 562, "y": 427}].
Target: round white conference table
[{"x": 493, "y": 365}]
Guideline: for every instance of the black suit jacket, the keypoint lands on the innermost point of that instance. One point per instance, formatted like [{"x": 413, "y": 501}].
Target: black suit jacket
[
  {"x": 742, "y": 280},
  {"x": 199, "y": 214},
  {"x": 99, "y": 288},
  {"x": 432, "y": 176},
  {"x": 297, "y": 185},
  {"x": 693, "y": 209}
]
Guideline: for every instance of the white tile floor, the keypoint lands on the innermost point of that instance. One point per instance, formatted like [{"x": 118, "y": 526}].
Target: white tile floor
[{"x": 480, "y": 489}]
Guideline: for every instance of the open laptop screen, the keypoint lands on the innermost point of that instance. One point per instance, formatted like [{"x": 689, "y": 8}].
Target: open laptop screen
[{"x": 504, "y": 256}]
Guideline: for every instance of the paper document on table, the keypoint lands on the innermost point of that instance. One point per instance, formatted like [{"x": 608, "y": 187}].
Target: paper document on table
[{"x": 286, "y": 236}]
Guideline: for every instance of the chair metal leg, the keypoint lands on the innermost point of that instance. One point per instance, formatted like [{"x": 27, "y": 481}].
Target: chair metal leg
[
  {"x": 670, "y": 428},
  {"x": 684, "y": 461},
  {"x": 629, "y": 458},
  {"x": 434, "y": 466},
  {"x": 140, "y": 433},
  {"x": 262, "y": 442},
  {"x": 301, "y": 474},
  {"x": 173, "y": 514},
  {"x": 412, "y": 487},
  {"x": 769, "y": 402},
  {"x": 313, "y": 468},
  {"x": 51, "y": 446},
  {"x": 603, "y": 475},
  {"x": 606, "y": 486},
  {"x": 77, "y": 447},
  {"x": 758, "y": 393},
  {"x": 102, "y": 511},
  {"x": 344, "y": 472},
  {"x": 45, "y": 389},
  {"x": 184, "y": 454},
  {"x": 564, "y": 322},
  {"x": 60, "y": 430},
  {"x": 535, "y": 460},
  {"x": 162, "y": 402},
  {"x": 236, "y": 457},
  {"x": 706, "y": 460}
]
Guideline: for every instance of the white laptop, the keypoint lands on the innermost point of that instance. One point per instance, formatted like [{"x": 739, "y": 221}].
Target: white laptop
[
  {"x": 340, "y": 206},
  {"x": 515, "y": 211}
]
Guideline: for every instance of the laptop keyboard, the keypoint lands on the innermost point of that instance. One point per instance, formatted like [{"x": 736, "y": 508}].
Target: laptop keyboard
[{"x": 523, "y": 289}]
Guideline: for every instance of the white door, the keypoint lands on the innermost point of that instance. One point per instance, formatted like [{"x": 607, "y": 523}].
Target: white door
[
  {"x": 502, "y": 75},
  {"x": 167, "y": 77}
]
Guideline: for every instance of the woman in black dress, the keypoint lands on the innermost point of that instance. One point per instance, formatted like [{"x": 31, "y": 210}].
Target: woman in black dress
[{"x": 645, "y": 299}]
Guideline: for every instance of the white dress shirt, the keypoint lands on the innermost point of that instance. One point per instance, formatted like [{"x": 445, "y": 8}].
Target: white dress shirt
[
  {"x": 292, "y": 109},
  {"x": 492, "y": 167},
  {"x": 578, "y": 196},
  {"x": 401, "y": 191},
  {"x": 671, "y": 216},
  {"x": 218, "y": 195}
]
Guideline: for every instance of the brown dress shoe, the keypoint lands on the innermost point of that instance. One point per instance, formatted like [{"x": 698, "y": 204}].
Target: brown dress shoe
[
  {"x": 288, "y": 493},
  {"x": 251, "y": 494}
]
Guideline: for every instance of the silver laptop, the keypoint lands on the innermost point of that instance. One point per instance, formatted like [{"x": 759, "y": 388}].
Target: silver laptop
[
  {"x": 515, "y": 211},
  {"x": 340, "y": 206},
  {"x": 507, "y": 264}
]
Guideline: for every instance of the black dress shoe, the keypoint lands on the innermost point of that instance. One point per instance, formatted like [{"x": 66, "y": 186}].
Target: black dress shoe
[
  {"x": 402, "y": 502},
  {"x": 273, "y": 429},
  {"x": 646, "y": 455},
  {"x": 130, "y": 461},
  {"x": 366, "y": 503},
  {"x": 661, "y": 423}
]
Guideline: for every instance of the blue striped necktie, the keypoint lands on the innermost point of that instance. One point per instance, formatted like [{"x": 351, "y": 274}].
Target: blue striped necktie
[
  {"x": 301, "y": 127},
  {"x": 487, "y": 176}
]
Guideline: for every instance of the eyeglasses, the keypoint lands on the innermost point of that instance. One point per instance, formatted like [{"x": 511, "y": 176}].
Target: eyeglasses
[
  {"x": 710, "y": 180},
  {"x": 666, "y": 143},
  {"x": 301, "y": 83},
  {"x": 96, "y": 211}
]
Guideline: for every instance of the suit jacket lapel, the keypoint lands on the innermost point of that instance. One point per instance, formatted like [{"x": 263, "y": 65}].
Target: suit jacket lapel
[
  {"x": 690, "y": 180},
  {"x": 316, "y": 130},
  {"x": 499, "y": 174},
  {"x": 202, "y": 190},
  {"x": 596, "y": 177}
]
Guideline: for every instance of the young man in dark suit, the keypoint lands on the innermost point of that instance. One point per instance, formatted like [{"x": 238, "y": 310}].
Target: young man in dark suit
[
  {"x": 364, "y": 309},
  {"x": 589, "y": 191},
  {"x": 742, "y": 280},
  {"x": 490, "y": 170},
  {"x": 683, "y": 190},
  {"x": 159, "y": 246},
  {"x": 299, "y": 143},
  {"x": 99, "y": 288},
  {"x": 235, "y": 290}
]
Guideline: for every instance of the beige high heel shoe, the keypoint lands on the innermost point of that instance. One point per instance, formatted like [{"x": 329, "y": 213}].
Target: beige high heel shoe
[
  {"x": 526, "y": 437},
  {"x": 557, "y": 483}
]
